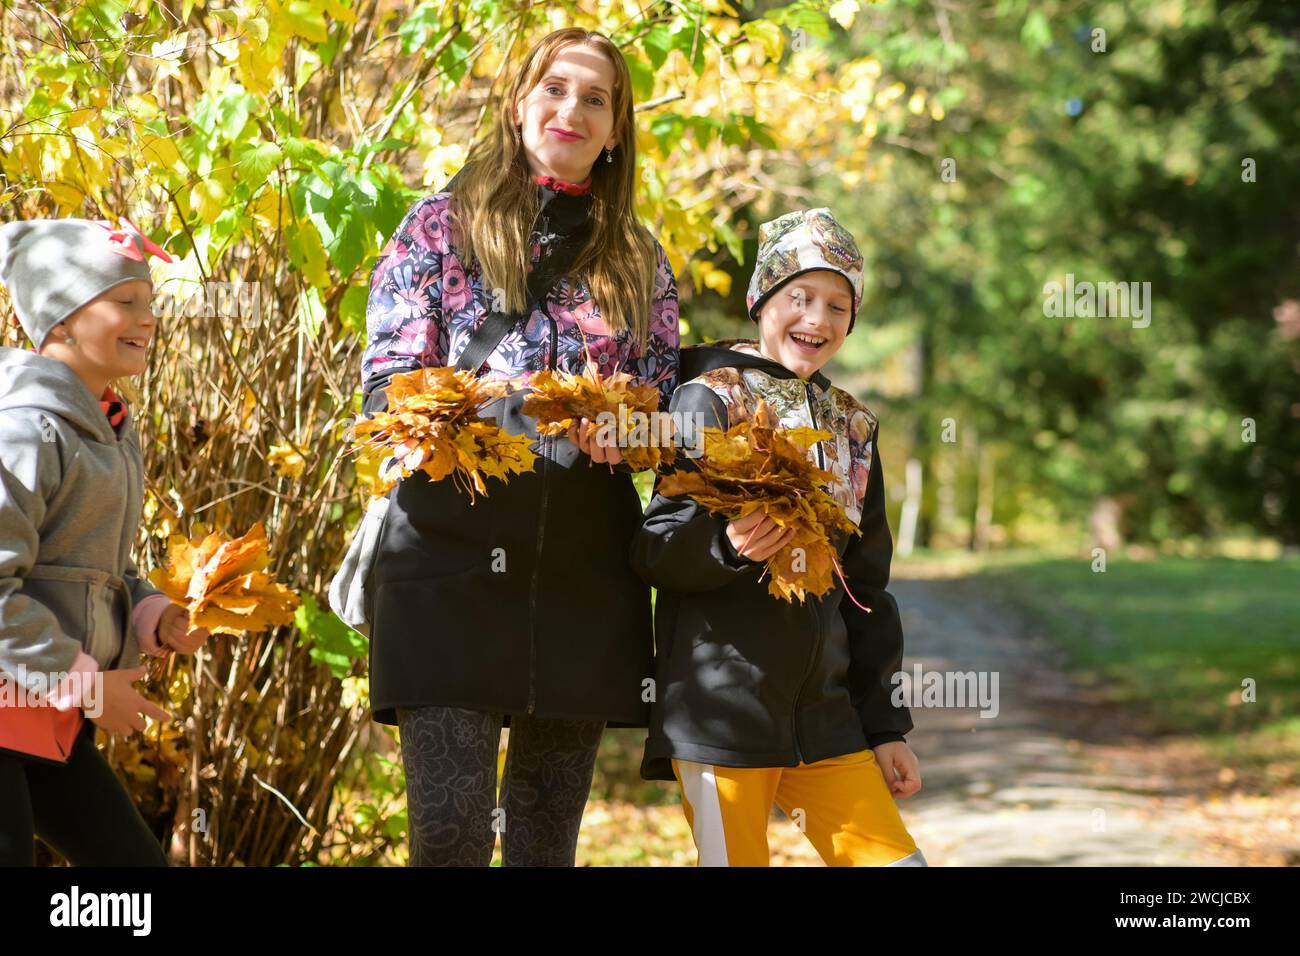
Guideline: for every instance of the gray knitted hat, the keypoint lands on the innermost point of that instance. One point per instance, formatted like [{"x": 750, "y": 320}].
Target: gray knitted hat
[{"x": 52, "y": 267}]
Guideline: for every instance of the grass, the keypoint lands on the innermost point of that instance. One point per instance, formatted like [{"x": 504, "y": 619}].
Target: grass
[{"x": 1187, "y": 640}]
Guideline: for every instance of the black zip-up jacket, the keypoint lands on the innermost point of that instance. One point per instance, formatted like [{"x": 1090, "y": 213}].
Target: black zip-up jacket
[
  {"x": 744, "y": 679},
  {"x": 523, "y": 601}
]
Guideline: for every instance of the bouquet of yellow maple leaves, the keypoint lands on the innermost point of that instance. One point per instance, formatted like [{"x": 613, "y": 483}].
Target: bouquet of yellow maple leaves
[
  {"x": 223, "y": 582},
  {"x": 755, "y": 465},
  {"x": 561, "y": 400},
  {"x": 432, "y": 425}
]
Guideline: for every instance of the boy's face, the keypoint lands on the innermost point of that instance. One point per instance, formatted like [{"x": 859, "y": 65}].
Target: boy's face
[
  {"x": 805, "y": 321},
  {"x": 112, "y": 332},
  {"x": 568, "y": 117}
]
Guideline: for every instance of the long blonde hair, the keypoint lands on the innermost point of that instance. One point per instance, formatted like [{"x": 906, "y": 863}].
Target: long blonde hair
[{"x": 495, "y": 202}]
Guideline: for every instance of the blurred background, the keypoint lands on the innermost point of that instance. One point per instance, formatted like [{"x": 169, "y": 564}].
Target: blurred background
[{"x": 1098, "y": 502}]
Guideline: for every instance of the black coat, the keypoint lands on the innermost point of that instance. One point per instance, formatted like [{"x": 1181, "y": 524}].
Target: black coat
[
  {"x": 744, "y": 679},
  {"x": 524, "y": 601}
]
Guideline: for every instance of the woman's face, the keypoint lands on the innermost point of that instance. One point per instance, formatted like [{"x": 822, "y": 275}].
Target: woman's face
[
  {"x": 112, "y": 333},
  {"x": 805, "y": 321},
  {"x": 567, "y": 119}
]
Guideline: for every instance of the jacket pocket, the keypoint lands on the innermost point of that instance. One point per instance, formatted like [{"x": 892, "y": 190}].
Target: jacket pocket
[
  {"x": 349, "y": 596},
  {"x": 86, "y": 602}
]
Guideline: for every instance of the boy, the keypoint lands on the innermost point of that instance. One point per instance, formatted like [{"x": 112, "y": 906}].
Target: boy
[{"x": 759, "y": 699}]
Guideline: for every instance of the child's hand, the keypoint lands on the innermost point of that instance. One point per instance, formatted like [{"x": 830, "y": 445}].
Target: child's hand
[
  {"x": 901, "y": 768},
  {"x": 174, "y": 631},
  {"x": 757, "y": 537},
  {"x": 123, "y": 709},
  {"x": 587, "y": 436}
]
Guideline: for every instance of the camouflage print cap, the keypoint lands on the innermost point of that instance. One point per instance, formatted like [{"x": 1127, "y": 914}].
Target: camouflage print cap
[{"x": 799, "y": 242}]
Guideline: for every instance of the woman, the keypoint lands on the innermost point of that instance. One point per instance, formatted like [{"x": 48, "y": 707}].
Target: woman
[{"x": 520, "y": 609}]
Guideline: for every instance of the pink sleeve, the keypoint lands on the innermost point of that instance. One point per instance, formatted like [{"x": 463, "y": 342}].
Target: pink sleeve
[
  {"x": 658, "y": 364},
  {"x": 73, "y": 685},
  {"x": 145, "y": 620}
]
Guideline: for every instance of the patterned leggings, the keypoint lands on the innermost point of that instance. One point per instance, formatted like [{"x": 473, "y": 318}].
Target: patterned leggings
[{"x": 450, "y": 756}]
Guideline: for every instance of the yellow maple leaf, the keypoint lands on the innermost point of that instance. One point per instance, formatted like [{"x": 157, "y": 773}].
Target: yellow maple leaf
[
  {"x": 222, "y": 583},
  {"x": 755, "y": 465},
  {"x": 560, "y": 400},
  {"x": 432, "y": 425},
  {"x": 286, "y": 460}
]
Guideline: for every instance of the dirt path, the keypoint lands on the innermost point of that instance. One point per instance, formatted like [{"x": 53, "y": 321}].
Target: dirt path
[
  {"x": 1060, "y": 777},
  {"x": 1055, "y": 778}
]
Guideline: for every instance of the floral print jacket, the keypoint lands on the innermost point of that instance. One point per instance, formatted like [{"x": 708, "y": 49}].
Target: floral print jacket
[{"x": 425, "y": 304}]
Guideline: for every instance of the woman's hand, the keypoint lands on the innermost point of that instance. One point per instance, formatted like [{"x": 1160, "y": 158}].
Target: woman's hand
[
  {"x": 901, "y": 768},
  {"x": 122, "y": 708},
  {"x": 587, "y": 436},
  {"x": 757, "y": 537},
  {"x": 174, "y": 631}
]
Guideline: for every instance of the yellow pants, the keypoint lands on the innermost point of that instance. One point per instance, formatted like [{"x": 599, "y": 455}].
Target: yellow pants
[{"x": 842, "y": 804}]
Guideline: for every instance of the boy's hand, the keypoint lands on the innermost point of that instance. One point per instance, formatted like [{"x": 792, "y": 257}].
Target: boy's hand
[
  {"x": 757, "y": 537},
  {"x": 174, "y": 631},
  {"x": 123, "y": 708},
  {"x": 901, "y": 768},
  {"x": 587, "y": 436}
]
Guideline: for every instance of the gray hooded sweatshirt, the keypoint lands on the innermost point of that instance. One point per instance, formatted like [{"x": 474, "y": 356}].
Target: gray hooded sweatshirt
[{"x": 71, "y": 496}]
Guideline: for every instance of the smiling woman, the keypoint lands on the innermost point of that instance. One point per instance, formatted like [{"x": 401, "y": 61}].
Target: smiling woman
[
  {"x": 568, "y": 117},
  {"x": 522, "y": 608}
]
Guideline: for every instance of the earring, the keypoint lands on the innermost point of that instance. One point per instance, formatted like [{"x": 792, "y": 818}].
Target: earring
[
  {"x": 609, "y": 155},
  {"x": 69, "y": 340}
]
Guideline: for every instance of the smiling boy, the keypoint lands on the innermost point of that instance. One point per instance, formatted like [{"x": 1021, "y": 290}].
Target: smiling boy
[{"x": 760, "y": 700}]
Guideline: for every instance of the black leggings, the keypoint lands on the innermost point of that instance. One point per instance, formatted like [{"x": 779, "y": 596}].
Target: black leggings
[
  {"x": 79, "y": 808},
  {"x": 450, "y": 756}
]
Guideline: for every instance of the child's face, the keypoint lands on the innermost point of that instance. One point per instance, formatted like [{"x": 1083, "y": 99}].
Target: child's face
[
  {"x": 805, "y": 321},
  {"x": 575, "y": 96},
  {"x": 112, "y": 331}
]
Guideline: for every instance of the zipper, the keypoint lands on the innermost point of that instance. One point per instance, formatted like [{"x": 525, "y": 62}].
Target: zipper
[
  {"x": 541, "y": 535},
  {"x": 543, "y": 256},
  {"x": 128, "y": 539},
  {"x": 794, "y": 710},
  {"x": 812, "y": 415},
  {"x": 816, "y": 609},
  {"x": 543, "y": 240}
]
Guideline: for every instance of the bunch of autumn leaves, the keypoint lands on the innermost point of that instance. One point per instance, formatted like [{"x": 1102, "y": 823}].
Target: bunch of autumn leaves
[
  {"x": 223, "y": 582},
  {"x": 433, "y": 425}
]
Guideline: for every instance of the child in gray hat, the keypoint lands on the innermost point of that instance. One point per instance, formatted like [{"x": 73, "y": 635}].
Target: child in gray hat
[{"x": 74, "y": 610}]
